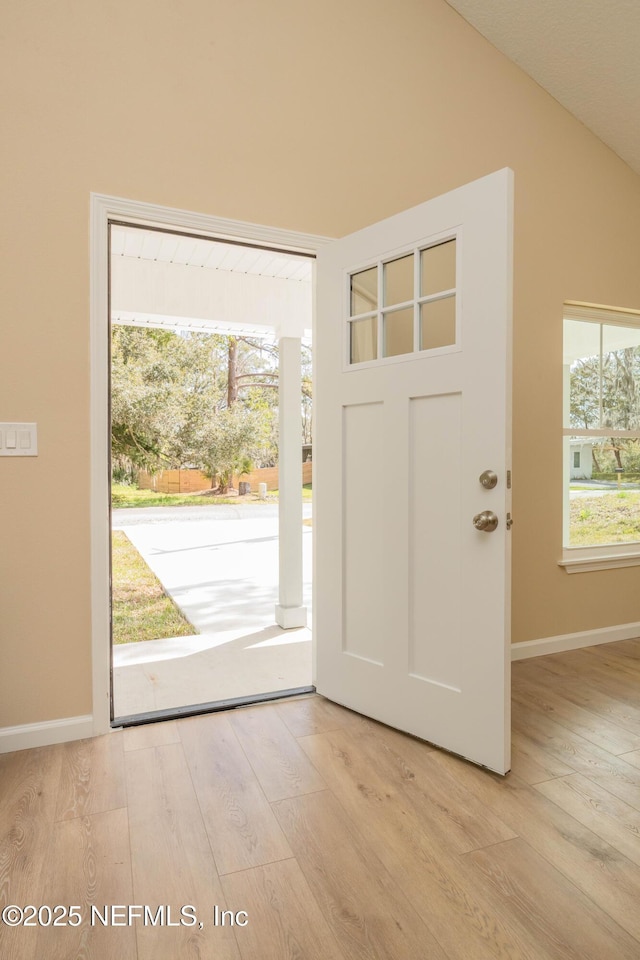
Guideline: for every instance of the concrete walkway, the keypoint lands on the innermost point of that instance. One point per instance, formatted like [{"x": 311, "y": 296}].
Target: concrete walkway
[{"x": 220, "y": 566}]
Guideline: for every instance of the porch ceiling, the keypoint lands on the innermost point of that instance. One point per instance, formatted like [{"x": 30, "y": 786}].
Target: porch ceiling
[{"x": 168, "y": 280}]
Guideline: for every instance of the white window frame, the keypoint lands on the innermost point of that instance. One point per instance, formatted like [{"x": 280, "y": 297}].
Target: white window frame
[
  {"x": 415, "y": 302},
  {"x": 607, "y": 556}
]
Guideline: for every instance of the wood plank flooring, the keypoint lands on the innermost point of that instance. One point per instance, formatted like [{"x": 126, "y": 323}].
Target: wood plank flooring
[{"x": 301, "y": 831}]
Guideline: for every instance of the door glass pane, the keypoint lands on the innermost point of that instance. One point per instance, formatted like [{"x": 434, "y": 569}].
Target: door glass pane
[
  {"x": 438, "y": 323},
  {"x": 398, "y": 280},
  {"x": 364, "y": 291},
  {"x": 398, "y": 332},
  {"x": 438, "y": 268},
  {"x": 364, "y": 340}
]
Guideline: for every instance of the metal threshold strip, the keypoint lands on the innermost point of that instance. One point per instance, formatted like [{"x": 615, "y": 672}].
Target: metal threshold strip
[{"x": 216, "y": 706}]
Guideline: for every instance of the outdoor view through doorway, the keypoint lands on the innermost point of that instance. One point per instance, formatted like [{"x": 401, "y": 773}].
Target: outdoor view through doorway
[{"x": 211, "y": 415}]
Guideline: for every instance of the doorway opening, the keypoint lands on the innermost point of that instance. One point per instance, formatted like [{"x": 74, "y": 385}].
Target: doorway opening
[
  {"x": 384, "y": 596},
  {"x": 210, "y": 421}
]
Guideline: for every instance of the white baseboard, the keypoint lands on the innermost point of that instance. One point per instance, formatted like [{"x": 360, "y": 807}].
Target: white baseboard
[
  {"x": 46, "y": 733},
  {"x": 77, "y": 728},
  {"x": 573, "y": 641}
]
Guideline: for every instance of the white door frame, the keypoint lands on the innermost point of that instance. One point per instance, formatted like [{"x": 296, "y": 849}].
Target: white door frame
[{"x": 103, "y": 209}]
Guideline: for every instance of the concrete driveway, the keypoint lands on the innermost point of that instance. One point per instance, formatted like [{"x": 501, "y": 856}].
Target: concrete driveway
[{"x": 220, "y": 566}]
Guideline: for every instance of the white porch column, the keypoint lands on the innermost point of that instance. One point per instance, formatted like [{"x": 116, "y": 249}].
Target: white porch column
[{"x": 289, "y": 611}]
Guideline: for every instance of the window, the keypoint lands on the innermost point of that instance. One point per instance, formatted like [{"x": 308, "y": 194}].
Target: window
[
  {"x": 601, "y": 434},
  {"x": 401, "y": 306}
]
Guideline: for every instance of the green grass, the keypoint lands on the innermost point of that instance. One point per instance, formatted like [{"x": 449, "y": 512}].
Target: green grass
[
  {"x": 307, "y": 493},
  {"x": 141, "y": 610},
  {"x": 601, "y": 486},
  {"x": 123, "y": 496},
  {"x": 610, "y": 518}
]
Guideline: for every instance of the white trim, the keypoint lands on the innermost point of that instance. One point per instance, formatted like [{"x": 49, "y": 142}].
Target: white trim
[
  {"x": 166, "y": 321},
  {"x": 379, "y": 314},
  {"x": 574, "y": 641},
  {"x": 606, "y": 557},
  {"x": 99, "y": 489},
  {"x": 43, "y": 734},
  {"x": 103, "y": 209},
  {"x": 135, "y": 211},
  {"x": 586, "y": 434},
  {"x": 291, "y": 618},
  {"x": 622, "y": 316}
]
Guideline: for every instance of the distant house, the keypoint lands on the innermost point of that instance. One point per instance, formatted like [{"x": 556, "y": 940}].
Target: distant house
[{"x": 581, "y": 462}]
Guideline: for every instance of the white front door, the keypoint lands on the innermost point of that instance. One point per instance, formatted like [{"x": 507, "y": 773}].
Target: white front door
[{"x": 412, "y": 406}]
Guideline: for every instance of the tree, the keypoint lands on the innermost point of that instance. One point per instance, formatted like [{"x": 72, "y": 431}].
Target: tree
[
  {"x": 604, "y": 395},
  {"x": 172, "y": 393},
  {"x": 253, "y": 365},
  {"x": 307, "y": 394},
  {"x": 198, "y": 360},
  {"x": 585, "y": 393},
  {"x": 140, "y": 391},
  {"x": 620, "y": 373},
  {"x": 228, "y": 444},
  {"x": 253, "y": 377},
  {"x": 164, "y": 388}
]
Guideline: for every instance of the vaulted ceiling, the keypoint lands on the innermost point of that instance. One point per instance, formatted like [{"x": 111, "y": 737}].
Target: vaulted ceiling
[{"x": 585, "y": 53}]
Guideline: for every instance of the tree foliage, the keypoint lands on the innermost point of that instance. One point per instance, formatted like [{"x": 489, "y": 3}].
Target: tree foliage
[
  {"x": 230, "y": 443},
  {"x": 607, "y": 395},
  {"x": 585, "y": 394},
  {"x": 164, "y": 388},
  {"x": 196, "y": 400},
  {"x": 620, "y": 395}
]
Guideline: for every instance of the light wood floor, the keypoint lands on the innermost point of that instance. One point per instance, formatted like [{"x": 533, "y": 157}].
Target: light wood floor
[{"x": 340, "y": 838}]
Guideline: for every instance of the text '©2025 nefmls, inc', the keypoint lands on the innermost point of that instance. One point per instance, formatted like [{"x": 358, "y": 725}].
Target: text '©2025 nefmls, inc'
[{"x": 121, "y": 915}]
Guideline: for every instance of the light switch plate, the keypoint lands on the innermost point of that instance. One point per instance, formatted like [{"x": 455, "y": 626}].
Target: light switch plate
[{"x": 18, "y": 439}]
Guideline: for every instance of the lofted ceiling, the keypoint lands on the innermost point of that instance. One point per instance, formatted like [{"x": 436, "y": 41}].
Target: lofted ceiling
[{"x": 585, "y": 53}]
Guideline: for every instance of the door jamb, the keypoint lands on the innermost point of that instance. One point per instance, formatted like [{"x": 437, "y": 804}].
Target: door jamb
[{"x": 103, "y": 209}]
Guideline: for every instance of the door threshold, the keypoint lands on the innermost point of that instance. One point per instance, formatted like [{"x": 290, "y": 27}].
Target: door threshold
[{"x": 215, "y": 706}]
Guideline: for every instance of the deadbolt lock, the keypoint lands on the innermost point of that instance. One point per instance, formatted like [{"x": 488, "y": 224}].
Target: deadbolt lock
[
  {"x": 488, "y": 479},
  {"x": 485, "y": 521}
]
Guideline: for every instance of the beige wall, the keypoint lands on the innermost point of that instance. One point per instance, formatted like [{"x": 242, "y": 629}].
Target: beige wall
[{"x": 319, "y": 117}]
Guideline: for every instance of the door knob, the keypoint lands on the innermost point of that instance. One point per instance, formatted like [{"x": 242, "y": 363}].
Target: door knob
[
  {"x": 486, "y": 521},
  {"x": 488, "y": 479}
]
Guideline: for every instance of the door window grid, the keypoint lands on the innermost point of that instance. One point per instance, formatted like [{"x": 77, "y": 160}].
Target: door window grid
[{"x": 393, "y": 327}]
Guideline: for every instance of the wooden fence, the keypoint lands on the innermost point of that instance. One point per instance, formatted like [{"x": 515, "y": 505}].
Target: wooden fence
[{"x": 192, "y": 481}]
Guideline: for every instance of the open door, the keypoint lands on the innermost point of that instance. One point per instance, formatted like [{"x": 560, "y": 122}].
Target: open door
[{"x": 412, "y": 484}]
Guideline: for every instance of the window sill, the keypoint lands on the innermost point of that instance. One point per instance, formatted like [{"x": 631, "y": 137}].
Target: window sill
[{"x": 590, "y": 562}]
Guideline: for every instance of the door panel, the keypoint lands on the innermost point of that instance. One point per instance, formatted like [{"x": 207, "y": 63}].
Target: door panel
[
  {"x": 363, "y": 574},
  {"x": 412, "y": 404},
  {"x": 434, "y": 564}
]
